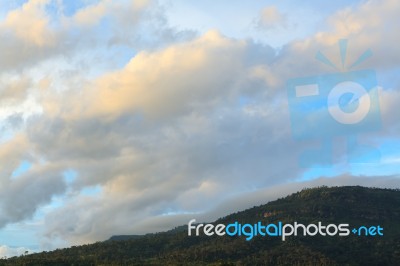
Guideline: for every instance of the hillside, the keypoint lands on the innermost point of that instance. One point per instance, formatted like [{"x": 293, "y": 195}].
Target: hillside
[{"x": 356, "y": 206}]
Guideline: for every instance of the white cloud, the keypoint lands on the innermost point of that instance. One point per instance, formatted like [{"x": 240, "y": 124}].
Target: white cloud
[
  {"x": 8, "y": 252},
  {"x": 30, "y": 23},
  {"x": 271, "y": 17}
]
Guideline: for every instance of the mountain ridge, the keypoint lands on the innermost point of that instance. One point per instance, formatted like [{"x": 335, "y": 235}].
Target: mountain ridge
[{"x": 355, "y": 205}]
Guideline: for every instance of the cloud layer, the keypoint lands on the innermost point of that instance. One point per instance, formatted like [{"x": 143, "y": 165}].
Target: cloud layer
[{"x": 158, "y": 124}]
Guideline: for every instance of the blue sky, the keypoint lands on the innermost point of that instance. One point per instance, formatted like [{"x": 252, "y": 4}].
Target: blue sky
[{"x": 156, "y": 112}]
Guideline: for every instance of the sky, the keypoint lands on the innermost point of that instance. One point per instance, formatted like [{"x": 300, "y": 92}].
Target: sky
[{"x": 130, "y": 117}]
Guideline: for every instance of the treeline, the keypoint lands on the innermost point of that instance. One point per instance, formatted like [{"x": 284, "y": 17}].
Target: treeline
[{"x": 354, "y": 205}]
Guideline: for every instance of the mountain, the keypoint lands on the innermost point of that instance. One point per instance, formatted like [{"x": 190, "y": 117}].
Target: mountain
[
  {"x": 124, "y": 237},
  {"x": 353, "y": 205}
]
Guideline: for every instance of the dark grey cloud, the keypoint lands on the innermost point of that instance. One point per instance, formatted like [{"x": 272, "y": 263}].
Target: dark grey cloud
[{"x": 21, "y": 196}]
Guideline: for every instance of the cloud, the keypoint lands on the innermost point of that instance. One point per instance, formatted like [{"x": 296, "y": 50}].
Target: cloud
[
  {"x": 389, "y": 100},
  {"x": 123, "y": 222},
  {"x": 170, "y": 81},
  {"x": 127, "y": 11},
  {"x": 14, "y": 89},
  {"x": 29, "y": 34},
  {"x": 92, "y": 14},
  {"x": 8, "y": 252},
  {"x": 367, "y": 25},
  {"x": 30, "y": 23},
  {"x": 21, "y": 196},
  {"x": 40, "y": 31},
  {"x": 270, "y": 17}
]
